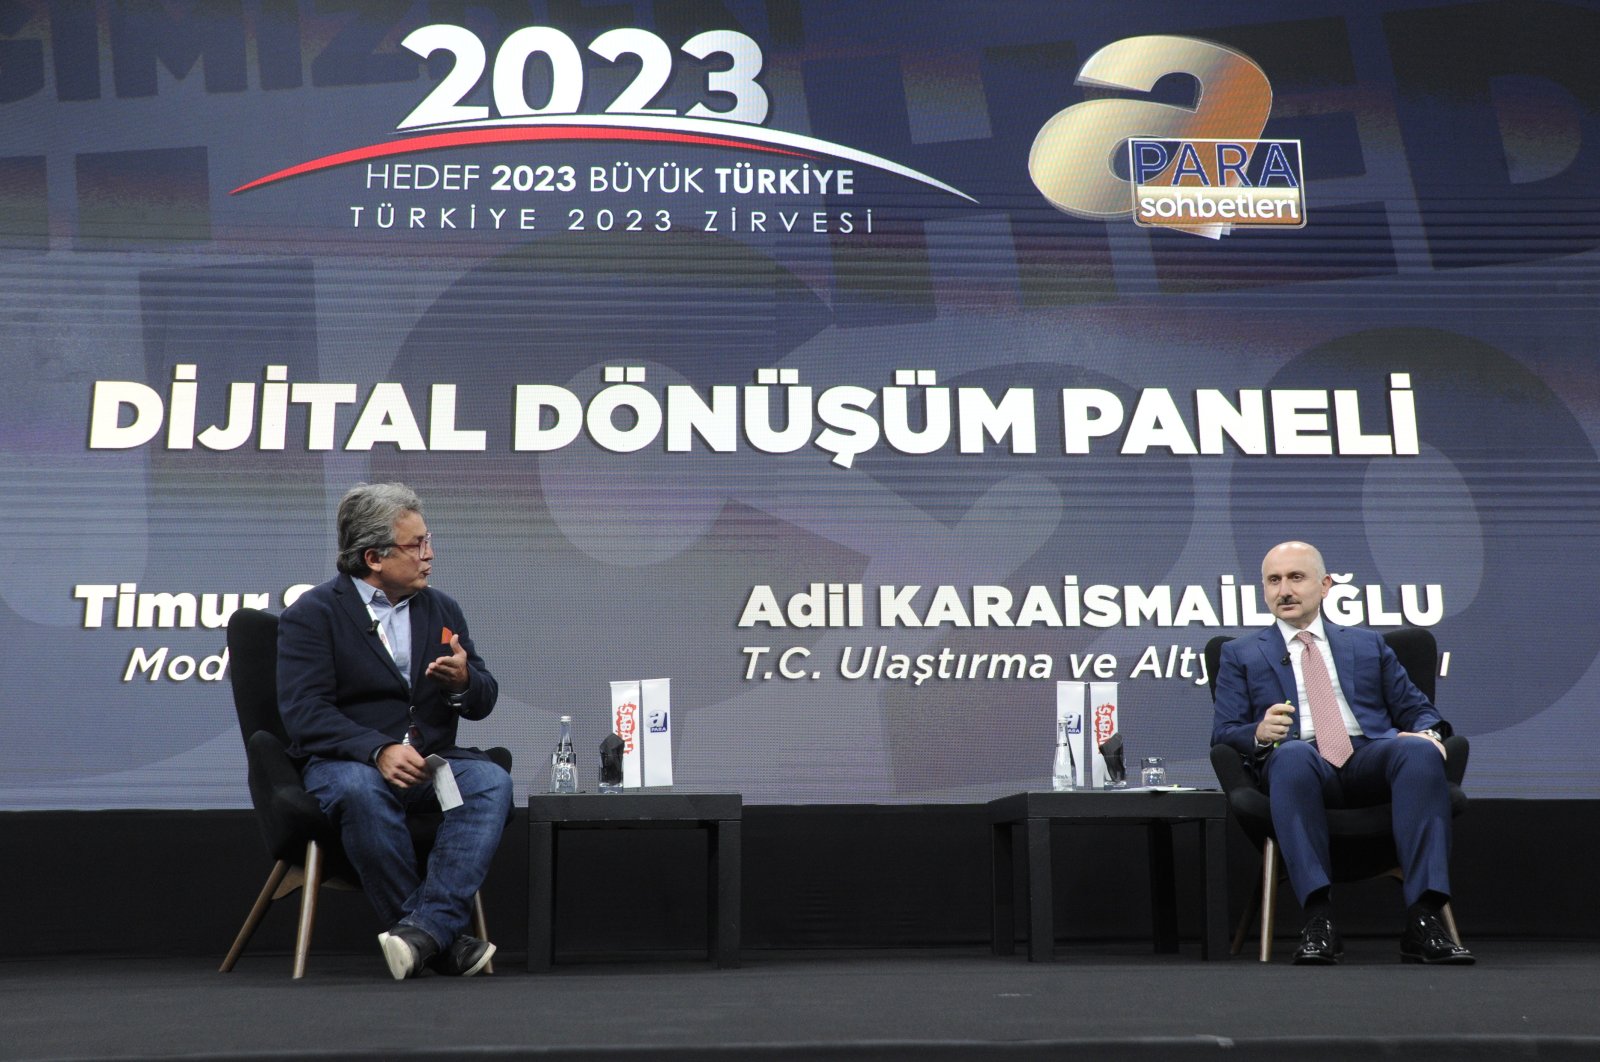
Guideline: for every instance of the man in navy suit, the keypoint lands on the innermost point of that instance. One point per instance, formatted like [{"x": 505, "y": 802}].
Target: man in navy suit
[
  {"x": 1362, "y": 734},
  {"x": 374, "y": 670}
]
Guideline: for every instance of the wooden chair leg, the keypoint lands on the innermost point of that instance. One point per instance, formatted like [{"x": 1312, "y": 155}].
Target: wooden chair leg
[
  {"x": 308, "y": 907},
  {"x": 1448, "y": 914},
  {"x": 1269, "y": 895},
  {"x": 480, "y": 927},
  {"x": 1450, "y": 924},
  {"x": 257, "y": 912}
]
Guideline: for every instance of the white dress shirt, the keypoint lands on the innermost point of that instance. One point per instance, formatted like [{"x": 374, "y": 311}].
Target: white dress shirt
[{"x": 394, "y": 624}]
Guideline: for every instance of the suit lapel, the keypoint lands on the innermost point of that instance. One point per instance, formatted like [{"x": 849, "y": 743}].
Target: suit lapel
[
  {"x": 356, "y": 611},
  {"x": 1344, "y": 660},
  {"x": 421, "y": 647},
  {"x": 1276, "y": 654}
]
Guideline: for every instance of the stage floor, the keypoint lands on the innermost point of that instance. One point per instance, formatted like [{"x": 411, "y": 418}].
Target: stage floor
[{"x": 1523, "y": 999}]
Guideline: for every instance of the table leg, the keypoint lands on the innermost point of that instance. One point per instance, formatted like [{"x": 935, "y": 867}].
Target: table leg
[
  {"x": 1214, "y": 892},
  {"x": 1041, "y": 896},
  {"x": 1163, "y": 887},
  {"x": 541, "y": 895},
  {"x": 723, "y": 891},
  {"x": 1003, "y": 918}
]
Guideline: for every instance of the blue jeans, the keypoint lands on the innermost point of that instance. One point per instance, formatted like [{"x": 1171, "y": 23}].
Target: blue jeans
[{"x": 370, "y": 815}]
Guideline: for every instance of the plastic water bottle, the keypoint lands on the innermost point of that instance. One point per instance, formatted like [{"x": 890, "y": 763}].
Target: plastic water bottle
[
  {"x": 564, "y": 761},
  {"x": 1063, "y": 773}
]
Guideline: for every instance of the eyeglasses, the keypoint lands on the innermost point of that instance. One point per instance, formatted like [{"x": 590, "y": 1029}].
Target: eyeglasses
[{"x": 417, "y": 548}]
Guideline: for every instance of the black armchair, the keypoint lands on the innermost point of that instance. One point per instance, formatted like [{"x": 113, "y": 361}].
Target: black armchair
[
  {"x": 302, "y": 842},
  {"x": 1361, "y": 838}
]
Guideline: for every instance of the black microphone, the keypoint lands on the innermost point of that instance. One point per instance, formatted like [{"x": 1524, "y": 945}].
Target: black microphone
[
  {"x": 1285, "y": 660},
  {"x": 374, "y": 630}
]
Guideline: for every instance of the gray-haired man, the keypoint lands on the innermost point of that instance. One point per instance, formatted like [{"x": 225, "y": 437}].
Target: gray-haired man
[{"x": 375, "y": 668}]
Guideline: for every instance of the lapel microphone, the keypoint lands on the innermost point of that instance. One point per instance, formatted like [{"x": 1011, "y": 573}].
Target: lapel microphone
[
  {"x": 1284, "y": 661},
  {"x": 374, "y": 630}
]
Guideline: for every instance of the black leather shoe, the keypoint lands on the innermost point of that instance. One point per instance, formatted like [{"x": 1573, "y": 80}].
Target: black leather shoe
[
  {"x": 466, "y": 956},
  {"x": 1319, "y": 943},
  {"x": 1425, "y": 940},
  {"x": 406, "y": 949}
]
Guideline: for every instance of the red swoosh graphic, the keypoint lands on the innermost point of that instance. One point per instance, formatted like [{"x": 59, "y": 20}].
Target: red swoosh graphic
[{"x": 469, "y": 137}]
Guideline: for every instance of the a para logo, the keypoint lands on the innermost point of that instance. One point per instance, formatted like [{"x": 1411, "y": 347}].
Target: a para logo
[{"x": 1201, "y": 170}]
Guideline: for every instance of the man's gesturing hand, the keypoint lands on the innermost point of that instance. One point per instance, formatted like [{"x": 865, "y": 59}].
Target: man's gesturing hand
[
  {"x": 451, "y": 671},
  {"x": 1274, "y": 727}
]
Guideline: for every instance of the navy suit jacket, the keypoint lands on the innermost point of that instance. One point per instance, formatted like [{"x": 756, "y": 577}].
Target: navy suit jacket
[
  {"x": 1253, "y": 674},
  {"x": 341, "y": 695}
]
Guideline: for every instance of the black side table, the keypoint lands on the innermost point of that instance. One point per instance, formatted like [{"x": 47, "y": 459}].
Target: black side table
[
  {"x": 1157, "y": 810},
  {"x": 719, "y": 814}
]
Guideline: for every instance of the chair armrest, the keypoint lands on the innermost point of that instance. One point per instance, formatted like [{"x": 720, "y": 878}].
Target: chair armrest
[
  {"x": 1227, "y": 762},
  {"x": 289, "y": 816},
  {"x": 270, "y": 765},
  {"x": 1249, "y": 804},
  {"x": 1456, "y": 751}
]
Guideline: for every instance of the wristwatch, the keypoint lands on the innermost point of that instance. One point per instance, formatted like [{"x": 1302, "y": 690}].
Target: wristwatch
[{"x": 1430, "y": 732}]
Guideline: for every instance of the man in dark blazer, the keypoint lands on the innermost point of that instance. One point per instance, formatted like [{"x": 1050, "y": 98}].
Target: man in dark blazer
[
  {"x": 1362, "y": 734},
  {"x": 374, "y": 671}
]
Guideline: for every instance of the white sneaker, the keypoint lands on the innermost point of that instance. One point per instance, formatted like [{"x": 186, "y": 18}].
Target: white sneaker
[{"x": 406, "y": 949}]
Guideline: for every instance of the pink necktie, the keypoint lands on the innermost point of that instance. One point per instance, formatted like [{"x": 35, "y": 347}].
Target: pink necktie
[{"x": 1333, "y": 740}]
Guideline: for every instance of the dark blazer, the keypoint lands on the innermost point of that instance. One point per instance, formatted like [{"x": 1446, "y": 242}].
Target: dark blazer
[
  {"x": 339, "y": 691},
  {"x": 1253, "y": 674}
]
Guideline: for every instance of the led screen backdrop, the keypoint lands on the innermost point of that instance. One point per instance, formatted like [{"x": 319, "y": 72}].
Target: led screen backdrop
[{"x": 865, "y": 368}]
